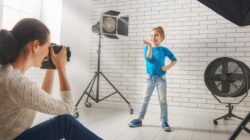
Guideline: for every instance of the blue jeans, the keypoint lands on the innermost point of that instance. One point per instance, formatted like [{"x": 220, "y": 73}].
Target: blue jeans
[
  {"x": 60, "y": 127},
  {"x": 161, "y": 85}
]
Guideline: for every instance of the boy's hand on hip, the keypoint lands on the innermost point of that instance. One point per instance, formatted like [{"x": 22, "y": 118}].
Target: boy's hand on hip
[{"x": 165, "y": 68}]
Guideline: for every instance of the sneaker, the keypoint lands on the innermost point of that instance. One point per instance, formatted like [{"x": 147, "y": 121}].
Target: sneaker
[
  {"x": 135, "y": 123},
  {"x": 165, "y": 126}
]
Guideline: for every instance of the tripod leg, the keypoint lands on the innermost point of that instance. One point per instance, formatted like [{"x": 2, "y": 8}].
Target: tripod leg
[
  {"x": 129, "y": 105},
  {"x": 236, "y": 117},
  {"x": 87, "y": 103},
  {"x": 114, "y": 88},
  {"x": 216, "y": 120},
  {"x": 85, "y": 91},
  {"x": 76, "y": 112}
]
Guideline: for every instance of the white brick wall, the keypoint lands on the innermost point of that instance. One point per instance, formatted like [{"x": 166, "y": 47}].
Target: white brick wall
[{"x": 195, "y": 34}]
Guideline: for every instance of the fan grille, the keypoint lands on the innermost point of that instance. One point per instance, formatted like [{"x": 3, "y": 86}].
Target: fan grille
[{"x": 227, "y": 77}]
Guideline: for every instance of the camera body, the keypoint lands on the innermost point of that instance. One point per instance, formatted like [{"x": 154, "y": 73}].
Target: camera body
[{"x": 48, "y": 63}]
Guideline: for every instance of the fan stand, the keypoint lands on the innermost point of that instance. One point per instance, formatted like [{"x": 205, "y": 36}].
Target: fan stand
[
  {"x": 228, "y": 115},
  {"x": 230, "y": 107}
]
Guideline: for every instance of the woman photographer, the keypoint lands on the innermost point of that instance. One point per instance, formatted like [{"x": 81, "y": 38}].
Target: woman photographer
[{"x": 25, "y": 46}]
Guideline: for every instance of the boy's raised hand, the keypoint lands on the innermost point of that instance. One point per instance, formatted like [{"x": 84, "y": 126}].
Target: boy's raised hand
[{"x": 148, "y": 43}]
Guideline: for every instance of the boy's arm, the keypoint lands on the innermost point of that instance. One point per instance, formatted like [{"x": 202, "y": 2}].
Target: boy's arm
[
  {"x": 173, "y": 59},
  {"x": 167, "y": 67},
  {"x": 149, "y": 52}
]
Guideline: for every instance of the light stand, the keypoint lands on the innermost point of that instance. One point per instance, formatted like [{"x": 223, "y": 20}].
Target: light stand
[{"x": 96, "y": 78}]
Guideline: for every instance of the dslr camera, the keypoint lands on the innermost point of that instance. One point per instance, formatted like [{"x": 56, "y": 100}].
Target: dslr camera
[{"x": 48, "y": 63}]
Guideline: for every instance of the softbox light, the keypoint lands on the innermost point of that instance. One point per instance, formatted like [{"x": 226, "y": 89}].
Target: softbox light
[
  {"x": 236, "y": 11},
  {"x": 111, "y": 25}
]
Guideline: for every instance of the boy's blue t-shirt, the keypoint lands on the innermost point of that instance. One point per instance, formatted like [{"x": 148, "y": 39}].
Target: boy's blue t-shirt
[{"x": 157, "y": 60}]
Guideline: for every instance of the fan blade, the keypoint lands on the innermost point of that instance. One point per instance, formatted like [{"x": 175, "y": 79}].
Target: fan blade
[
  {"x": 235, "y": 76},
  {"x": 225, "y": 67},
  {"x": 216, "y": 77},
  {"x": 225, "y": 86},
  {"x": 235, "y": 86}
]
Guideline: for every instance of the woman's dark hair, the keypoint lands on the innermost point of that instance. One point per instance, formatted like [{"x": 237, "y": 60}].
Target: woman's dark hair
[
  {"x": 7, "y": 45},
  {"x": 14, "y": 41}
]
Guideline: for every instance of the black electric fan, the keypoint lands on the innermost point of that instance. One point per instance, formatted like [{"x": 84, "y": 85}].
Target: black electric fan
[{"x": 227, "y": 78}]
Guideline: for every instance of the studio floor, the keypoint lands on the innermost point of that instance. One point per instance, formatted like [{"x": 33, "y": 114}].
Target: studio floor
[{"x": 112, "y": 124}]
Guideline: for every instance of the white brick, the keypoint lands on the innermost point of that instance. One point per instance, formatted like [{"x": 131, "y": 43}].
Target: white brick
[
  {"x": 242, "y": 39},
  {"x": 207, "y": 22},
  {"x": 181, "y": 99},
  {"x": 226, "y": 49},
  {"x": 189, "y": 105},
  {"x": 211, "y": 31},
  {"x": 208, "y": 40},
  {"x": 198, "y": 36},
  {"x": 211, "y": 106},
  {"x": 197, "y": 100},
  {"x": 175, "y": 104},
  {"x": 199, "y": 27},
  {"x": 227, "y": 30},
  {"x": 236, "y": 35},
  {"x": 217, "y": 26},
  {"x": 216, "y": 35},
  {"x": 217, "y": 54}
]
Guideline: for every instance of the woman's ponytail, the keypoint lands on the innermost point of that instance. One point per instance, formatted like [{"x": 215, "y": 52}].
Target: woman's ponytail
[{"x": 8, "y": 48}]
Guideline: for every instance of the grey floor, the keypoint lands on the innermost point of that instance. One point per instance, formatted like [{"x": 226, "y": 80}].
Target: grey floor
[{"x": 112, "y": 124}]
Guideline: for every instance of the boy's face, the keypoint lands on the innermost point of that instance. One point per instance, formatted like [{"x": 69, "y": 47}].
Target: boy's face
[{"x": 156, "y": 38}]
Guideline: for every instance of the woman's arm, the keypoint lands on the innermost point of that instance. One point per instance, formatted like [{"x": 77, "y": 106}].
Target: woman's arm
[
  {"x": 28, "y": 94},
  {"x": 64, "y": 83},
  {"x": 48, "y": 81},
  {"x": 60, "y": 61}
]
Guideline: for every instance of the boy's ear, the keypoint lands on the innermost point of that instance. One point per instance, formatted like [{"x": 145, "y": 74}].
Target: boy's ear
[{"x": 163, "y": 39}]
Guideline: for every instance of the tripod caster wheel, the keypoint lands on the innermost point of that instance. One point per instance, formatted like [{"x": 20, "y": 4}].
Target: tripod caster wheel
[
  {"x": 76, "y": 115},
  {"x": 131, "y": 111},
  {"x": 215, "y": 122},
  {"x": 87, "y": 104}
]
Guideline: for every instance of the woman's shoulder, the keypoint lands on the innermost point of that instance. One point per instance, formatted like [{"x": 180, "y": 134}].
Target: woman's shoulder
[{"x": 15, "y": 79}]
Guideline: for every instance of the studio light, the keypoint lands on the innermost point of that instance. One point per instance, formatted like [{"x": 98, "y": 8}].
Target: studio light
[
  {"x": 111, "y": 25},
  {"x": 236, "y": 11}
]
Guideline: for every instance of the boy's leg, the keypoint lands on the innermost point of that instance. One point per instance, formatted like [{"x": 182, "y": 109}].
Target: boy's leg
[
  {"x": 64, "y": 126},
  {"x": 149, "y": 91},
  {"x": 162, "y": 93}
]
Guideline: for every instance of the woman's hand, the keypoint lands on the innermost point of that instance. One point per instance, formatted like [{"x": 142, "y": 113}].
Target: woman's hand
[
  {"x": 59, "y": 59},
  {"x": 148, "y": 43}
]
